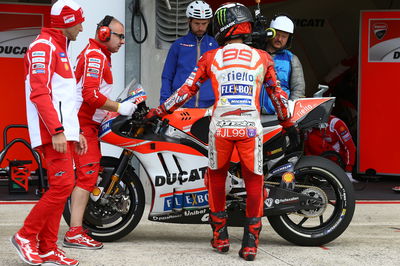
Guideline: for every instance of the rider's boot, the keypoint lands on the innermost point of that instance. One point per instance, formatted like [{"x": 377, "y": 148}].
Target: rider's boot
[
  {"x": 251, "y": 233},
  {"x": 220, "y": 240}
]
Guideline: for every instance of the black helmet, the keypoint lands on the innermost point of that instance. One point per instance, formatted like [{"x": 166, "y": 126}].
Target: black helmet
[{"x": 227, "y": 16}]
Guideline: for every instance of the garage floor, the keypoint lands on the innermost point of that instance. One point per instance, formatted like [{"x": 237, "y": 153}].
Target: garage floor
[{"x": 373, "y": 238}]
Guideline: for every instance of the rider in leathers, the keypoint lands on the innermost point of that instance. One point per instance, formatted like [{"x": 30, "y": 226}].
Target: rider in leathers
[{"x": 237, "y": 72}]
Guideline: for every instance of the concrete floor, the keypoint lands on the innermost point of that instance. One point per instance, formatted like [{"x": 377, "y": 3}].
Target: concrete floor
[{"x": 373, "y": 238}]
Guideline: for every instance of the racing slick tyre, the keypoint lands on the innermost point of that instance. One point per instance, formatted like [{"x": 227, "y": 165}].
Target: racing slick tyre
[
  {"x": 323, "y": 179},
  {"x": 113, "y": 218}
]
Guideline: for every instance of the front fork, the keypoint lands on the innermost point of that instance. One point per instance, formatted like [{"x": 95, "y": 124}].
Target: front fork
[{"x": 115, "y": 178}]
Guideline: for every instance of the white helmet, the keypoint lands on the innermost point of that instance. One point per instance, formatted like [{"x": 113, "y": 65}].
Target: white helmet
[
  {"x": 199, "y": 10},
  {"x": 282, "y": 23}
]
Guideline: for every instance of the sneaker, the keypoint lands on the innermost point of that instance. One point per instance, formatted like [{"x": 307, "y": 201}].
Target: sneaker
[
  {"x": 396, "y": 189},
  {"x": 76, "y": 237},
  {"x": 57, "y": 257},
  {"x": 27, "y": 249}
]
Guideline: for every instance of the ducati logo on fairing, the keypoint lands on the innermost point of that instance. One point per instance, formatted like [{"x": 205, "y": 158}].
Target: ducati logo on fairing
[
  {"x": 237, "y": 112},
  {"x": 183, "y": 177}
]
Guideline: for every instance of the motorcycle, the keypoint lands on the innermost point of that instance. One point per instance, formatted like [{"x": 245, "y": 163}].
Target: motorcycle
[{"x": 310, "y": 199}]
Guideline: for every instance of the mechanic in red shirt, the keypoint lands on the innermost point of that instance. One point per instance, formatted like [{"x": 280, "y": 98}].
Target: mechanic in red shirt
[
  {"x": 335, "y": 138},
  {"x": 237, "y": 72},
  {"x": 95, "y": 83},
  {"x": 51, "y": 99}
]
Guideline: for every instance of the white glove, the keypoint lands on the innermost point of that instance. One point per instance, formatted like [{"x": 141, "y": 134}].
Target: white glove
[{"x": 126, "y": 108}]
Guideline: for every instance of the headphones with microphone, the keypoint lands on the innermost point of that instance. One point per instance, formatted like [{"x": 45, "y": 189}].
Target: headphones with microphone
[{"x": 103, "y": 29}]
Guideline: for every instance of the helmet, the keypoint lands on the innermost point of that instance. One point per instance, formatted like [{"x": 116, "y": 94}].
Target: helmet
[
  {"x": 199, "y": 10},
  {"x": 226, "y": 17},
  {"x": 282, "y": 23}
]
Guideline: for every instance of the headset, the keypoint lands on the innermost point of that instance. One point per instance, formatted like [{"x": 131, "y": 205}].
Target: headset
[{"x": 103, "y": 29}]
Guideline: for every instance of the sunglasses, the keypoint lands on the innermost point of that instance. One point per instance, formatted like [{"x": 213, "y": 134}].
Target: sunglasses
[{"x": 120, "y": 35}]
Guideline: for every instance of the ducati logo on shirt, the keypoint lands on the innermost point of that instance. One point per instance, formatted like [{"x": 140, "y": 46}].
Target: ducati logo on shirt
[{"x": 62, "y": 54}]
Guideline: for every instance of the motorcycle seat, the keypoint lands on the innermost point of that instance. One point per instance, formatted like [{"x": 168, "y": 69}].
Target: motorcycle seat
[{"x": 269, "y": 120}]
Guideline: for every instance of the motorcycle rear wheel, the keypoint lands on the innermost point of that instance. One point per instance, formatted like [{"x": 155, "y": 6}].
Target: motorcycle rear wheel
[
  {"x": 317, "y": 227},
  {"x": 105, "y": 224}
]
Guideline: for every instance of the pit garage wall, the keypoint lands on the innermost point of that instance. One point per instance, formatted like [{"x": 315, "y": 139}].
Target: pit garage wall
[{"x": 326, "y": 35}]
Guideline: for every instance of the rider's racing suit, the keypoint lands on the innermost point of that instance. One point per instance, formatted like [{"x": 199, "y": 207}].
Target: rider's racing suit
[{"x": 237, "y": 73}]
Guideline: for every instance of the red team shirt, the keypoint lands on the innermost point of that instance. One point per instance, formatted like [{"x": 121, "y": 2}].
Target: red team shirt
[
  {"x": 50, "y": 89},
  {"x": 94, "y": 80},
  {"x": 336, "y": 137}
]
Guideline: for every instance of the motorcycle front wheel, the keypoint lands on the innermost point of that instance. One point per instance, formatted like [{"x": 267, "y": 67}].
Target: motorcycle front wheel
[
  {"x": 326, "y": 181},
  {"x": 120, "y": 215}
]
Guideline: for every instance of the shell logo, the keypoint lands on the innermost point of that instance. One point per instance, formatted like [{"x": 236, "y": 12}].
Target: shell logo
[
  {"x": 96, "y": 191},
  {"x": 288, "y": 177}
]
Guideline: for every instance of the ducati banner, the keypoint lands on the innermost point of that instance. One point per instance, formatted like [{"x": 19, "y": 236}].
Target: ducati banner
[
  {"x": 378, "y": 147},
  {"x": 20, "y": 25},
  {"x": 384, "y": 40}
]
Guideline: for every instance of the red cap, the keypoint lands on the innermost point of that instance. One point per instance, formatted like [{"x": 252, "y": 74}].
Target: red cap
[{"x": 65, "y": 14}]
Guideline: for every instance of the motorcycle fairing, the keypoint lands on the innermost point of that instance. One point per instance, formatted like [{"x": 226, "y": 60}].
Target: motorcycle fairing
[
  {"x": 177, "y": 180},
  {"x": 319, "y": 109},
  {"x": 147, "y": 143},
  {"x": 184, "y": 119}
]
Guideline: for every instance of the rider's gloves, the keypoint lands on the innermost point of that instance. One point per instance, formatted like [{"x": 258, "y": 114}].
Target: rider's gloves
[
  {"x": 126, "y": 108},
  {"x": 156, "y": 112}
]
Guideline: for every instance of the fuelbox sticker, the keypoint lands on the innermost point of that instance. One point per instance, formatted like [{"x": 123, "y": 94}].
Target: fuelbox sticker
[
  {"x": 384, "y": 40},
  {"x": 186, "y": 200}
]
